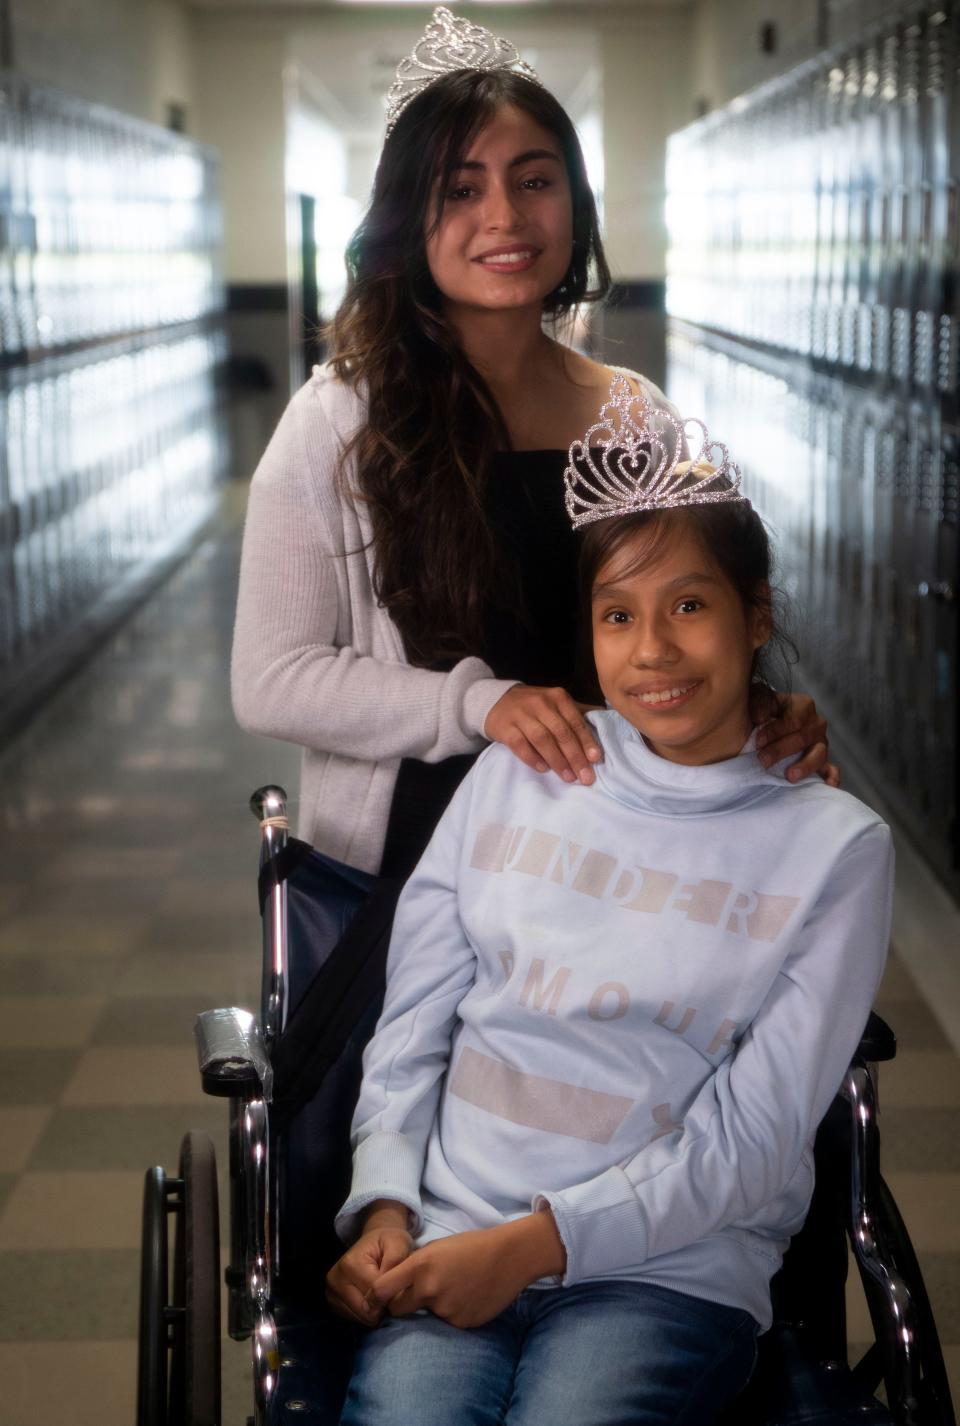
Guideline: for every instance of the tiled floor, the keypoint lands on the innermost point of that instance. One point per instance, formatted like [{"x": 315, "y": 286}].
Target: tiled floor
[{"x": 127, "y": 903}]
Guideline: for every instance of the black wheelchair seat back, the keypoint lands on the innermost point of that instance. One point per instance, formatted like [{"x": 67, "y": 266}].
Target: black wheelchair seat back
[
  {"x": 338, "y": 929},
  {"x": 323, "y": 896}
]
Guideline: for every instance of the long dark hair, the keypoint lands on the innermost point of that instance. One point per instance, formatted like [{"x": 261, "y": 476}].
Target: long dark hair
[
  {"x": 433, "y": 425},
  {"x": 737, "y": 544}
]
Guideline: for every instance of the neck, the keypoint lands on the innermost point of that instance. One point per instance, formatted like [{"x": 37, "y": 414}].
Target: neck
[
  {"x": 716, "y": 746},
  {"x": 504, "y": 347}
]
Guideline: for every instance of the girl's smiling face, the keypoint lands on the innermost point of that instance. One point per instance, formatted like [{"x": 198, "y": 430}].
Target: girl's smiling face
[
  {"x": 503, "y": 235},
  {"x": 674, "y": 645}
]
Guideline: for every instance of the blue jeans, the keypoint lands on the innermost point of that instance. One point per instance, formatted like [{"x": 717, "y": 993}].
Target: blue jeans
[{"x": 597, "y": 1354}]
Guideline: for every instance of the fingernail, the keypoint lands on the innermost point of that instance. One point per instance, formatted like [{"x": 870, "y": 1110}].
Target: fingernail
[
  {"x": 594, "y": 754},
  {"x": 587, "y": 777},
  {"x": 541, "y": 767},
  {"x": 766, "y": 759},
  {"x": 568, "y": 776}
]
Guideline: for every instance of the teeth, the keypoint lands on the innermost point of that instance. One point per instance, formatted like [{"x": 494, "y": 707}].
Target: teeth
[
  {"x": 508, "y": 257},
  {"x": 666, "y": 694}
]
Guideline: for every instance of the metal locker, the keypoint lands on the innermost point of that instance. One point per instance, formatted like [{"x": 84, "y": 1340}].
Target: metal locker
[
  {"x": 8, "y": 322},
  {"x": 109, "y": 440},
  {"x": 820, "y": 321}
]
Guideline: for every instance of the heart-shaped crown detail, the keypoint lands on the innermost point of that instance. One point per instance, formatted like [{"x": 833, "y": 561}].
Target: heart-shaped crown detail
[{"x": 632, "y": 459}]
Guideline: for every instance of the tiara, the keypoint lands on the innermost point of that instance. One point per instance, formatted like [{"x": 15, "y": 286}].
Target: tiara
[
  {"x": 448, "y": 44},
  {"x": 630, "y": 461}
]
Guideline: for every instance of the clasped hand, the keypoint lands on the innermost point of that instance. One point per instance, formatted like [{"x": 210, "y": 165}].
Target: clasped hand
[{"x": 466, "y": 1279}]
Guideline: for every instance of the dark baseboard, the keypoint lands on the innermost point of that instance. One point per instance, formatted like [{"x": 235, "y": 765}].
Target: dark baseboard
[
  {"x": 257, "y": 297},
  {"x": 643, "y": 294}
]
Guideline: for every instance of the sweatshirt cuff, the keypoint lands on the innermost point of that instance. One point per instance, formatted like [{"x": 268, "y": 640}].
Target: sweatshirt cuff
[
  {"x": 601, "y": 1225},
  {"x": 480, "y": 698},
  {"x": 385, "y": 1165}
]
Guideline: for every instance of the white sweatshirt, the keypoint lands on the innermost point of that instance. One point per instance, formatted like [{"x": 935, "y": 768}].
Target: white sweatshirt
[{"x": 633, "y": 1002}]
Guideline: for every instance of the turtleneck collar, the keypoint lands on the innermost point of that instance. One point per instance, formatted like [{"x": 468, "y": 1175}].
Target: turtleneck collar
[{"x": 638, "y": 777}]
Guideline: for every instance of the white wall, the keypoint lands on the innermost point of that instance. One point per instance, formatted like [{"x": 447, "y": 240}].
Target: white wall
[
  {"x": 240, "y": 110},
  {"x": 646, "y": 95},
  {"x": 132, "y": 55},
  {"x": 725, "y": 44}
]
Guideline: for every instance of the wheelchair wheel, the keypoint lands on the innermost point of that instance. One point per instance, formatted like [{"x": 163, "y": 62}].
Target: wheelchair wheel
[
  {"x": 178, "y": 1366},
  {"x": 152, "y": 1353},
  {"x": 195, "y": 1356},
  {"x": 934, "y": 1402}
]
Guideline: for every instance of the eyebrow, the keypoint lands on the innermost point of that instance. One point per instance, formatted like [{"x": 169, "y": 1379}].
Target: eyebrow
[
  {"x": 605, "y": 591},
  {"x": 527, "y": 157}
]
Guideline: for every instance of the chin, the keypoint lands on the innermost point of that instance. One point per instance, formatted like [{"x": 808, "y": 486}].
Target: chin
[{"x": 508, "y": 301}]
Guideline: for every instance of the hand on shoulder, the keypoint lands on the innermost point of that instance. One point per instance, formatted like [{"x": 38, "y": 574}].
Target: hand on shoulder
[{"x": 546, "y": 729}]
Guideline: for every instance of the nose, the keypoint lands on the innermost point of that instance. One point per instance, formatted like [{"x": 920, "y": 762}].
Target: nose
[
  {"x": 652, "y": 646},
  {"x": 501, "y": 211}
]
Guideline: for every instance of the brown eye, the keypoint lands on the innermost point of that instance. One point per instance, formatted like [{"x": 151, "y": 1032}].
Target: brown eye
[{"x": 689, "y": 606}]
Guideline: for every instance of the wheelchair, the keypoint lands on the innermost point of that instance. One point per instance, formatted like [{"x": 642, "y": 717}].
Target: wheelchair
[{"x": 291, "y": 1078}]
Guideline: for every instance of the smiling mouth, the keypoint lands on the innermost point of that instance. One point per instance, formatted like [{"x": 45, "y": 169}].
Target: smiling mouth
[
  {"x": 521, "y": 257},
  {"x": 665, "y": 698}
]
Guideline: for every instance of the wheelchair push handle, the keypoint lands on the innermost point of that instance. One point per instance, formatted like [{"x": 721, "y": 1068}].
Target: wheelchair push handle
[{"x": 269, "y": 805}]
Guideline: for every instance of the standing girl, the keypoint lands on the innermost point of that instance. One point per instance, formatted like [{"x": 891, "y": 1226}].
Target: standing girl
[
  {"x": 408, "y": 587},
  {"x": 615, "y": 1014}
]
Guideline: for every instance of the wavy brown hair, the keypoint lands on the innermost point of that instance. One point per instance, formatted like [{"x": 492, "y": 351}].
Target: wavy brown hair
[{"x": 433, "y": 425}]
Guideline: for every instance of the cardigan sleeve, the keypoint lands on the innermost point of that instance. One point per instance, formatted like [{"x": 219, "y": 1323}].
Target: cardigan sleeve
[
  {"x": 291, "y": 679},
  {"x": 744, "y": 1139}
]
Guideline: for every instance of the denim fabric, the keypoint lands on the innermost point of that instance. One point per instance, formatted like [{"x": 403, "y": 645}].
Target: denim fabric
[{"x": 597, "y": 1354}]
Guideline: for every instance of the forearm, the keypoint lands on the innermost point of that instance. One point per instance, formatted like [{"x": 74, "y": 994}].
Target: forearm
[{"x": 342, "y": 701}]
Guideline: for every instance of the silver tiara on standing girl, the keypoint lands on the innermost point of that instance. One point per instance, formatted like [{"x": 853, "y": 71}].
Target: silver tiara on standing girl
[
  {"x": 448, "y": 44},
  {"x": 630, "y": 460}
]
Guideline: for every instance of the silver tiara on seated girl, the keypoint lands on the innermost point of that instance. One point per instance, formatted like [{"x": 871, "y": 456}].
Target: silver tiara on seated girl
[
  {"x": 630, "y": 460},
  {"x": 448, "y": 44}
]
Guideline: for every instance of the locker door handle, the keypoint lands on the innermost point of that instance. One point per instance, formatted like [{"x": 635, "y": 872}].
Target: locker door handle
[{"x": 941, "y": 591}]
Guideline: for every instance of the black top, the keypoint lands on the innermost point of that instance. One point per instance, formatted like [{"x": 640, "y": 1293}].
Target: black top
[
  {"x": 530, "y": 637},
  {"x": 534, "y": 642}
]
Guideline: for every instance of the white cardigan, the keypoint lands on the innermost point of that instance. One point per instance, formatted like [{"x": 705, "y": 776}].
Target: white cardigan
[{"x": 316, "y": 660}]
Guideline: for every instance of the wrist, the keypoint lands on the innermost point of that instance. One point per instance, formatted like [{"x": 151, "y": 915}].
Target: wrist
[
  {"x": 537, "y": 1244},
  {"x": 484, "y": 697},
  {"x": 386, "y": 1213}
]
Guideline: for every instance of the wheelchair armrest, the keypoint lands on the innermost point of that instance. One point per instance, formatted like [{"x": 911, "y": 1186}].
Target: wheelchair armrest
[
  {"x": 878, "y": 1041},
  {"x": 231, "y": 1054}
]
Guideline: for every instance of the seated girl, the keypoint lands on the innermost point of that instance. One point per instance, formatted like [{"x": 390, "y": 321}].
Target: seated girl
[{"x": 615, "y": 1014}]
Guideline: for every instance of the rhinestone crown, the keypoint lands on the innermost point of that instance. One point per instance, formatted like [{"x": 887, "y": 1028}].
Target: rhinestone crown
[
  {"x": 630, "y": 460},
  {"x": 448, "y": 44}
]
